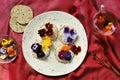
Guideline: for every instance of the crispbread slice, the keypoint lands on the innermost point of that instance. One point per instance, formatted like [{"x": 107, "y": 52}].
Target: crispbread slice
[
  {"x": 22, "y": 13},
  {"x": 16, "y": 27}
]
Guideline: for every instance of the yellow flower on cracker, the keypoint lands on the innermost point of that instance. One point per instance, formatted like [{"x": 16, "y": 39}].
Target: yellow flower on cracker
[
  {"x": 43, "y": 47},
  {"x": 46, "y": 43}
]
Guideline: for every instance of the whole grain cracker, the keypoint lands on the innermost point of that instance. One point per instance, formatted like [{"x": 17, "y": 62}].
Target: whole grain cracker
[
  {"x": 16, "y": 27},
  {"x": 22, "y": 13}
]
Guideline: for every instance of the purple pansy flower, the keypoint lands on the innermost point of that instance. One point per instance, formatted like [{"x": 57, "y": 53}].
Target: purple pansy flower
[
  {"x": 40, "y": 54},
  {"x": 68, "y": 56},
  {"x": 3, "y": 51},
  {"x": 66, "y": 30},
  {"x": 70, "y": 35},
  {"x": 36, "y": 47}
]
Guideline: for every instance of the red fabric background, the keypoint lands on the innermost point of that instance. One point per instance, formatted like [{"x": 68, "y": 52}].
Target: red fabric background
[{"x": 85, "y": 9}]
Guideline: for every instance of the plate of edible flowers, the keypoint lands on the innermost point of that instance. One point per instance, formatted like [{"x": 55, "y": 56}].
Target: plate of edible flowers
[{"x": 54, "y": 43}]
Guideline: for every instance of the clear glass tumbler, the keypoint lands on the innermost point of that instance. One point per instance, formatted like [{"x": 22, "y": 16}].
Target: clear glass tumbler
[{"x": 104, "y": 21}]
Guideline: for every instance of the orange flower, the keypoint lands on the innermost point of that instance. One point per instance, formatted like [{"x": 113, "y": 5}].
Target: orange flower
[
  {"x": 109, "y": 26},
  {"x": 11, "y": 51},
  {"x": 65, "y": 48}
]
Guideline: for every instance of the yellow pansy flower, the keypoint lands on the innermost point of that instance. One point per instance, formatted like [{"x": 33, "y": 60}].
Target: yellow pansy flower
[
  {"x": 10, "y": 41},
  {"x": 4, "y": 42},
  {"x": 46, "y": 43},
  {"x": 43, "y": 47}
]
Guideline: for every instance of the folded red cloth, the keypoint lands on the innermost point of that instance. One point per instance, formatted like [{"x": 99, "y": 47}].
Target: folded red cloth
[{"x": 101, "y": 49}]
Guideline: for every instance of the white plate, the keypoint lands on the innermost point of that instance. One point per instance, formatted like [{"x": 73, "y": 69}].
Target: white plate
[{"x": 51, "y": 67}]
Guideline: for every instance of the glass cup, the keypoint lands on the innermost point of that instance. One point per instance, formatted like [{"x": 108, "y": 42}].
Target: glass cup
[
  {"x": 8, "y": 49},
  {"x": 104, "y": 22}
]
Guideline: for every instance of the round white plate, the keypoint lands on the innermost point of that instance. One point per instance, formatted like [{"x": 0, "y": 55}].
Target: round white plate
[{"x": 50, "y": 66}]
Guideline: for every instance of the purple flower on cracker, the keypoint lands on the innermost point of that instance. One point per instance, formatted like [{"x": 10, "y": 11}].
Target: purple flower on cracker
[
  {"x": 66, "y": 30},
  {"x": 36, "y": 47},
  {"x": 40, "y": 54},
  {"x": 70, "y": 35}
]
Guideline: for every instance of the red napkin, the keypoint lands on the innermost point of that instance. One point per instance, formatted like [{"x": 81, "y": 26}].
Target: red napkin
[{"x": 102, "y": 61}]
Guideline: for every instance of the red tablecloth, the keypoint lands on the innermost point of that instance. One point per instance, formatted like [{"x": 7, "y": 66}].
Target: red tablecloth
[{"x": 106, "y": 48}]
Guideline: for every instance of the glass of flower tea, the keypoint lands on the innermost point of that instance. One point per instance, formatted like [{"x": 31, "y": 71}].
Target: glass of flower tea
[
  {"x": 8, "y": 49},
  {"x": 104, "y": 22}
]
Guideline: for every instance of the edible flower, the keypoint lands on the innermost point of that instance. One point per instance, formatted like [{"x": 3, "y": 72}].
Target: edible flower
[
  {"x": 11, "y": 51},
  {"x": 75, "y": 49},
  {"x": 6, "y": 42},
  {"x": 70, "y": 35},
  {"x": 47, "y": 31},
  {"x": 65, "y": 48},
  {"x": 68, "y": 56},
  {"x": 62, "y": 54},
  {"x": 49, "y": 27},
  {"x": 3, "y": 56},
  {"x": 65, "y": 55},
  {"x": 46, "y": 43},
  {"x": 3, "y": 50},
  {"x": 36, "y": 47},
  {"x": 43, "y": 47},
  {"x": 42, "y": 32},
  {"x": 109, "y": 26}
]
